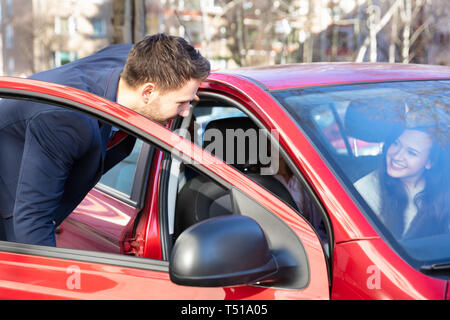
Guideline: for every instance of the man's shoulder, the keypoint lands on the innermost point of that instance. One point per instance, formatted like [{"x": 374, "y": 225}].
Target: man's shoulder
[
  {"x": 86, "y": 73},
  {"x": 109, "y": 57}
]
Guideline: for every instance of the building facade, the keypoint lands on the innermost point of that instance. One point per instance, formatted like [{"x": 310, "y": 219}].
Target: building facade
[{"x": 42, "y": 34}]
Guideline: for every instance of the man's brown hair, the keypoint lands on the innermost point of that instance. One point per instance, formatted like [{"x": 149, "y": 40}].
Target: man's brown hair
[{"x": 166, "y": 60}]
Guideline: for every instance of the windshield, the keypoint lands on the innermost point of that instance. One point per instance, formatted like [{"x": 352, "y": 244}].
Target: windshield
[{"x": 389, "y": 144}]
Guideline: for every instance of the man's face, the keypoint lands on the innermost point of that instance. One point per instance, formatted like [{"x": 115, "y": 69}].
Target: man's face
[{"x": 163, "y": 106}]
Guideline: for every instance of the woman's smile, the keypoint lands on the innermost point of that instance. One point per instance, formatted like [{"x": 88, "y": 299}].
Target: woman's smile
[
  {"x": 407, "y": 157},
  {"x": 397, "y": 165}
]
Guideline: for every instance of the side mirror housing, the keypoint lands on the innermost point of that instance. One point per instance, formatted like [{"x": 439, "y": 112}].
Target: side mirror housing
[{"x": 222, "y": 251}]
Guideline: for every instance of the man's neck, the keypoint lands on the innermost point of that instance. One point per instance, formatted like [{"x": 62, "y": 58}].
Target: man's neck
[{"x": 126, "y": 96}]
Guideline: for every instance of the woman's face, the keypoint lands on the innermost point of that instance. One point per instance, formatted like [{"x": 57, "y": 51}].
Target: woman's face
[{"x": 408, "y": 156}]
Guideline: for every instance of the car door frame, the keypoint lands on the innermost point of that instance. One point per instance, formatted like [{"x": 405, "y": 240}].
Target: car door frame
[
  {"x": 151, "y": 132},
  {"x": 235, "y": 99}
]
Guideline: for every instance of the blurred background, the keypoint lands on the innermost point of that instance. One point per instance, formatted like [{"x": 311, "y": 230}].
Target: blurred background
[{"x": 40, "y": 34}]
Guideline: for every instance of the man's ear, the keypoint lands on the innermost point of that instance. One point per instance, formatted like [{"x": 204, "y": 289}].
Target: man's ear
[{"x": 147, "y": 92}]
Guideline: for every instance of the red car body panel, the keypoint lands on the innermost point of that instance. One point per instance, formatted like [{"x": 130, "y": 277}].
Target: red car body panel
[
  {"x": 112, "y": 282},
  {"x": 99, "y": 223},
  {"x": 369, "y": 269},
  {"x": 363, "y": 266},
  {"x": 148, "y": 230},
  {"x": 447, "y": 290},
  {"x": 319, "y": 74}
]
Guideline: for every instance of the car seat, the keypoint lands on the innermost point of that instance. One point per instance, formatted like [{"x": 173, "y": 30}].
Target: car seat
[{"x": 366, "y": 124}]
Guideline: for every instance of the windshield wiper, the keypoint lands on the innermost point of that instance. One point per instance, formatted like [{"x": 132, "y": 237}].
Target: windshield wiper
[{"x": 441, "y": 268}]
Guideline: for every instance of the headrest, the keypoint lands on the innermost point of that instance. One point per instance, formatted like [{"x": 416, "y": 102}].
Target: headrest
[
  {"x": 235, "y": 141},
  {"x": 376, "y": 120},
  {"x": 370, "y": 124}
]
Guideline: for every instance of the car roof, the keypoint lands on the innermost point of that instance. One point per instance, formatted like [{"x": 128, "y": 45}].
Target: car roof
[{"x": 278, "y": 77}]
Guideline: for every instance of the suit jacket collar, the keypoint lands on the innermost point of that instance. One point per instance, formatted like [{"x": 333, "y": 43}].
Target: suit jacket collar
[{"x": 112, "y": 83}]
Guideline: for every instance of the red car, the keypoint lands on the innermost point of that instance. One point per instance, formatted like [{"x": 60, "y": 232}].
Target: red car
[{"x": 261, "y": 199}]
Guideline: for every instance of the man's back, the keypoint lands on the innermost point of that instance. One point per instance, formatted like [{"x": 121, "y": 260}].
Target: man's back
[{"x": 51, "y": 156}]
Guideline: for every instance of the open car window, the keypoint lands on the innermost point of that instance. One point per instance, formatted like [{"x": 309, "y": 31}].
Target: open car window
[{"x": 227, "y": 132}]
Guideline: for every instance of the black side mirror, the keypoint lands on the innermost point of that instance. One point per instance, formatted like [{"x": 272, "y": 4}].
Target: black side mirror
[{"x": 222, "y": 251}]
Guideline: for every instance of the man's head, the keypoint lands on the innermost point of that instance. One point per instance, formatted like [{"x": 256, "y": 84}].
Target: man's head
[{"x": 161, "y": 77}]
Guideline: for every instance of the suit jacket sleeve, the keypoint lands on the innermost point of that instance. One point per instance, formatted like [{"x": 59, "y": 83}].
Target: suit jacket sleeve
[{"x": 54, "y": 140}]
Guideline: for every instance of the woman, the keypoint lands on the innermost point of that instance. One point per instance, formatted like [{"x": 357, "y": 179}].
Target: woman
[{"x": 411, "y": 191}]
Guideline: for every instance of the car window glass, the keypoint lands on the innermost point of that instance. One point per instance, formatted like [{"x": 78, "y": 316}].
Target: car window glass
[
  {"x": 389, "y": 143},
  {"x": 329, "y": 119},
  {"x": 121, "y": 176}
]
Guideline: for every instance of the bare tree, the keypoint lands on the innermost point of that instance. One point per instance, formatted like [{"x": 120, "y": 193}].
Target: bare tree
[
  {"x": 37, "y": 40},
  {"x": 251, "y": 29},
  {"x": 394, "y": 30},
  {"x": 393, "y": 37},
  {"x": 128, "y": 21},
  {"x": 375, "y": 28},
  {"x": 407, "y": 22},
  {"x": 415, "y": 26}
]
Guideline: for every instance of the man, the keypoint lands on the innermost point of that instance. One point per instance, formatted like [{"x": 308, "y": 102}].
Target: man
[{"x": 51, "y": 157}]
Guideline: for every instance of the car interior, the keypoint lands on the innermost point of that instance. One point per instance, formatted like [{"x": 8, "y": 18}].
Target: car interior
[
  {"x": 198, "y": 197},
  {"x": 352, "y": 135}
]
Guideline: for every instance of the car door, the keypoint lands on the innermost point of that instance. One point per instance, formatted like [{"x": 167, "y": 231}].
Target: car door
[{"x": 38, "y": 272}]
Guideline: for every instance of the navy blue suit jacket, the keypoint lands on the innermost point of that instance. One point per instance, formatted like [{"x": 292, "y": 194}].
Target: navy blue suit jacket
[{"x": 51, "y": 157}]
